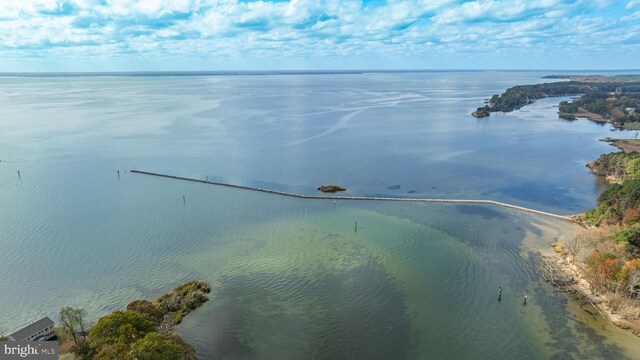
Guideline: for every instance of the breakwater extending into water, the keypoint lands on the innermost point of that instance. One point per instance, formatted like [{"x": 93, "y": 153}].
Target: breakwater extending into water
[{"x": 362, "y": 198}]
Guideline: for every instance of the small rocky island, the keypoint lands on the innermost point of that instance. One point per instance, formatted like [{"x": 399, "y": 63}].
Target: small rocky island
[
  {"x": 331, "y": 188},
  {"x": 482, "y": 112}
]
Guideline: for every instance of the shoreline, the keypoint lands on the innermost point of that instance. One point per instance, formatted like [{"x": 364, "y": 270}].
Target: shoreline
[
  {"x": 560, "y": 268},
  {"x": 564, "y": 269},
  {"x": 583, "y": 114},
  {"x": 626, "y": 145},
  {"x": 561, "y": 271},
  {"x": 159, "y": 315}
]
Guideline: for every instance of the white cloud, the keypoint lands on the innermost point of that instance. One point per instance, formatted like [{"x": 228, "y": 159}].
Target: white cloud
[
  {"x": 631, "y": 4},
  {"x": 307, "y": 28},
  {"x": 504, "y": 10},
  {"x": 634, "y": 16}
]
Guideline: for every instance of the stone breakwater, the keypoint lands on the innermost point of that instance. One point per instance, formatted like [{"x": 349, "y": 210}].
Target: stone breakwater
[{"x": 363, "y": 198}]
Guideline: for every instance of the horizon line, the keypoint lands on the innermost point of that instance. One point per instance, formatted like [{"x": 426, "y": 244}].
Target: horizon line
[{"x": 277, "y": 72}]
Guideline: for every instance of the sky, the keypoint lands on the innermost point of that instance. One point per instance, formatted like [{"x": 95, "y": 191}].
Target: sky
[{"x": 170, "y": 35}]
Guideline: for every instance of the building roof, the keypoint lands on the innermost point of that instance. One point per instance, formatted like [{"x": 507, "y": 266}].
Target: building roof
[{"x": 31, "y": 329}]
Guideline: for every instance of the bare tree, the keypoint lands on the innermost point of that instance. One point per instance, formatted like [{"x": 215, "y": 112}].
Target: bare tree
[
  {"x": 80, "y": 318},
  {"x": 573, "y": 245},
  {"x": 73, "y": 320},
  {"x": 616, "y": 171},
  {"x": 634, "y": 283}
]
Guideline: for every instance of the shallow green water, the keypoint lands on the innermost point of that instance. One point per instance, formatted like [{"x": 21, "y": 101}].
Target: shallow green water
[
  {"x": 307, "y": 285},
  {"x": 291, "y": 278}
]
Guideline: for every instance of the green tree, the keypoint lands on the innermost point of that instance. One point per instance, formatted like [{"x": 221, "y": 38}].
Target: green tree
[
  {"x": 148, "y": 309},
  {"x": 156, "y": 347},
  {"x": 633, "y": 169},
  {"x": 84, "y": 351},
  {"x": 630, "y": 236},
  {"x": 120, "y": 327},
  {"x": 117, "y": 351}
]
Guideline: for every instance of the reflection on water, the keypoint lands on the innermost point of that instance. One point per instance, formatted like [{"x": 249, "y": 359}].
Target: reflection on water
[
  {"x": 291, "y": 277},
  {"x": 386, "y": 134},
  {"x": 315, "y": 288}
]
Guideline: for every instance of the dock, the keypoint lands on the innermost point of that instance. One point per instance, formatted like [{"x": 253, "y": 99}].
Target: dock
[{"x": 364, "y": 198}]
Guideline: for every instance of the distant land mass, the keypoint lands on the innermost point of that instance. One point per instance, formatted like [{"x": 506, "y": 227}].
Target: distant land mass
[
  {"x": 597, "y": 78},
  {"x": 606, "y": 254},
  {"x": 288, "y": 72},
  {"x": 614, "y": 99},
  {"x": 237, "y": 72}
]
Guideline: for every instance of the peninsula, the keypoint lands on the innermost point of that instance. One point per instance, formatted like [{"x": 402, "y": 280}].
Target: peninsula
[
  {"x": 613, "y": 99},
  {"x": 626, "y": 145},
  {"x": 600, "y": 266},
  {"x": 142, "y": 331}
]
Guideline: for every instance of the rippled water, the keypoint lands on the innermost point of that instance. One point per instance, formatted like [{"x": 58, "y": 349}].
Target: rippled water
[
  {"x": 377, "y": 134},
  {"x": 291, "y": 278}
]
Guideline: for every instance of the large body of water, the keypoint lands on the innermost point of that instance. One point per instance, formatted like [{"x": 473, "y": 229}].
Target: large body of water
[{"x": 291, "y": 278}]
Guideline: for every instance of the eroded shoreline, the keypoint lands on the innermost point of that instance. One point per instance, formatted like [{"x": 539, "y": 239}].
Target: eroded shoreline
[{"x": 563, "y": 272}]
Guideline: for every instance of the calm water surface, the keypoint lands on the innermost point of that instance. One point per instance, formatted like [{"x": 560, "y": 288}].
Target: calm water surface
[{"x": 291, "y": 278}]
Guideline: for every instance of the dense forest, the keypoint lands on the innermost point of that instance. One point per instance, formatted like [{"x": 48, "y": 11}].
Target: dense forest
[
  {"x": 611, "y": 244},
  {"x": 618, "y": 107},
  {"x": 618, "y": 165},
  {"x": 620, "y": 203},
  {"x": 615, "y": 101}
]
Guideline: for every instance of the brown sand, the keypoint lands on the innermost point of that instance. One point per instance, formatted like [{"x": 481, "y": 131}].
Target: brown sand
[
  {"x": 626, "y": 145},
  {"x": 568, "y": 276}
]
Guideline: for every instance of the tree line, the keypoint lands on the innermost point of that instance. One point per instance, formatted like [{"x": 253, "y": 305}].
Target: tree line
[{"x": 608, "y": 99}]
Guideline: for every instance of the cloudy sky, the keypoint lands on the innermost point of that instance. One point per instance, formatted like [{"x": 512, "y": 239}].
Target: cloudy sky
[{"x": 125, "y": 35}]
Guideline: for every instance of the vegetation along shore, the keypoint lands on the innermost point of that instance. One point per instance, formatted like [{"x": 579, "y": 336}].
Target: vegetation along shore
[
  {"x": 614, "y": 99},
  {"x": 142, "y": 331},
  {"x": 601, "y": 265}
]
